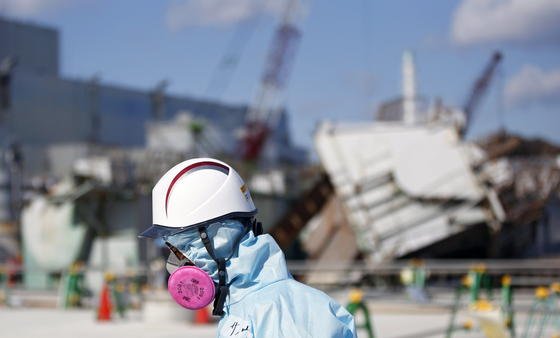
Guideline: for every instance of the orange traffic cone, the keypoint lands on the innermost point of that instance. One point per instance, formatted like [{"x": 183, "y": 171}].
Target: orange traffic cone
[
  {"x": 105, "y": 306},
  {"x": 202, "y": 316}
]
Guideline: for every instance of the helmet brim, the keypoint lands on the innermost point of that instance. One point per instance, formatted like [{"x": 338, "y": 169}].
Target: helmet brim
[{"x": 158, "y": 231}]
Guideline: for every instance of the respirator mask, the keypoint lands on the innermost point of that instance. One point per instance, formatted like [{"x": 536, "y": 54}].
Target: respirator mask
[{"x": 197, "y": 262}]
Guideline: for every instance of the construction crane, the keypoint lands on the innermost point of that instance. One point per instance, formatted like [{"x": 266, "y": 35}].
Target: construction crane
[
  {"x": 263, "y": 113},
  {"x": 479, "y": 89}
]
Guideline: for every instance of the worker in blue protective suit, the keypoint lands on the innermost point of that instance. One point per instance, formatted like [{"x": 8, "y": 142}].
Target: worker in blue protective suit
[{"x": 205, "y": 215}]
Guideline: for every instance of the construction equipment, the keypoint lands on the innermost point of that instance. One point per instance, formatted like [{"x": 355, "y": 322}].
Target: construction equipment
[
  {"x": 356, "y": 304},
  {"x": 456, "y": 305},
  {"x": 477, "y": 280},
  {"x": 72, "y": 286},
  {"x": 543, "y": 312},
  {"x": 118, "y": 292},
  {"x": 263, "y": 113},
  {"x": 479, "y": 89},
  {"x": 507, "y": 304},
  {"x": 494, "y": 321},
  {"x": 490, "y": 319},
  {"x": 414, "y": 278},
  {"x": 229, "y": 62}
]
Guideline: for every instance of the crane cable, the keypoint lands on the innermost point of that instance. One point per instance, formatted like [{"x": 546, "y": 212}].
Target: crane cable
[{"x": 229, "y": 62}]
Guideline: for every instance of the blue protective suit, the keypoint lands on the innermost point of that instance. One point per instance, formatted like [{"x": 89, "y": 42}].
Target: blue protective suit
[{"x": 264, "y": 300}]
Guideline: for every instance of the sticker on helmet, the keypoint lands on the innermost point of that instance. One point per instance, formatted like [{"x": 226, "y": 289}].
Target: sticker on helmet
[{"x": 245, "y": 191}]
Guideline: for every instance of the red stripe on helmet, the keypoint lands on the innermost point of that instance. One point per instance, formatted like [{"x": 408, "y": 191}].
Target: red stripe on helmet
[{"x": 186, "y": 170}]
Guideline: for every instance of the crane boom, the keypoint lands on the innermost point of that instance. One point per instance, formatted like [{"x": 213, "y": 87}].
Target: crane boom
[
  {"x": 479, "y": 89},
  {"x": 260, "y": 118}
]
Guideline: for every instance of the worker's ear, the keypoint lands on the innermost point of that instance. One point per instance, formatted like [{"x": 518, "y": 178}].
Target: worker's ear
[{"x": 257, "y": 228}]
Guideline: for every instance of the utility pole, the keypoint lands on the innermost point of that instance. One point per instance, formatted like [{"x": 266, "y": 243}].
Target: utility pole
[
  {"x": 95, "y": 117},
  {"x": 157, "y": 97},
  {"x": 12, "y": 156},
  {"x": 7, "y": 66}
]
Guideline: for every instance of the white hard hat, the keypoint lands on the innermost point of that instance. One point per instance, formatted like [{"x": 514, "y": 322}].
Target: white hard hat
[{"x": 195, "y": 192}]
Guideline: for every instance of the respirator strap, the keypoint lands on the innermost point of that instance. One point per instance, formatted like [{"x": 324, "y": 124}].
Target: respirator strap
[
  {"x": 257, "y": 228},
  {"x": 223, "y": 288},
  {"x": 207, "y": 243}
]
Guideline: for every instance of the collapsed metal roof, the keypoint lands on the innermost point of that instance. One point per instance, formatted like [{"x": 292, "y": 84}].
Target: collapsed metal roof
[{"x": 406, "y": 187}]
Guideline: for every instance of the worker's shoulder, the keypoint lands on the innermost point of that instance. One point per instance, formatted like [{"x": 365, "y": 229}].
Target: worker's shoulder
[
  {"x": 289, "y": 290},
  {"x": 299, "y": 310}
]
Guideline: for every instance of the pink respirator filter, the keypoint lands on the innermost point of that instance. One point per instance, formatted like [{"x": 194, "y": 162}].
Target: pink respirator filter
[{"x": 191, "y": 287}]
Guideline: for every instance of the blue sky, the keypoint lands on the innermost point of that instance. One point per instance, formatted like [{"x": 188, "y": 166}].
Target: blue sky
[{"x": 348, "y": 59}]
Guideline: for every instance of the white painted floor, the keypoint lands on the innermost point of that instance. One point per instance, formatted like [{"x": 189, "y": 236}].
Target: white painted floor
[
  {"x": 34, "y": 323},
  {"x": 47, "y": 323},
  {"x": 392, "y": 318}
]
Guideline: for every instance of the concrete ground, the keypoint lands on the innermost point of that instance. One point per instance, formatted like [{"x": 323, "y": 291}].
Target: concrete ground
[
  {"x": 47, "y": 323},
  {"x": 32, "y": 323},
  {"x": 392, "y": 318}
]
